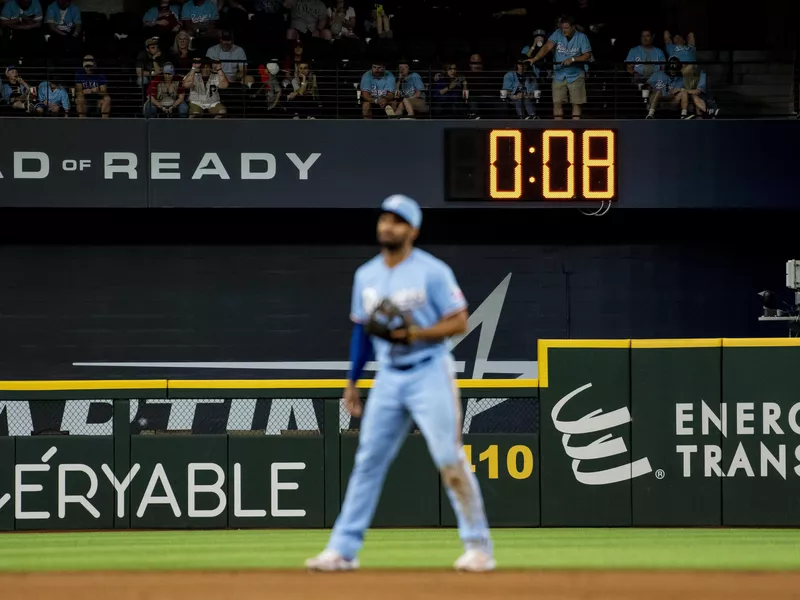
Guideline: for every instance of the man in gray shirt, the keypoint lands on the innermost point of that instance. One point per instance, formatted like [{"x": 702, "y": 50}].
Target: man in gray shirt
[{"x": 233, "y": 58}]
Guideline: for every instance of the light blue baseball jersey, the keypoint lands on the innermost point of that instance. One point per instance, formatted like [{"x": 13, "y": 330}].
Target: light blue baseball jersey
[
  {"x": 662, "y": 82},
  {"x": 205, "y": 13},
  {"x": 47, "y": 96},
  {"x": 64, "y": 20},
  {"x": 12, "y": 10},
  {"x": 514, "y": 84},
  {"x": 684, "y": 52},
  {"x": 422, "y": 286},
  {"x": 378, "y": 86},
  {"x": 640, "y": 56},
  {"x": 568, "y": 48},
  {"x": 411, "y": 85}
]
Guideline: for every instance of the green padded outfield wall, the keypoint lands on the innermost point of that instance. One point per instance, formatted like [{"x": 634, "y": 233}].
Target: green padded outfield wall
[
  {"x": 65, "y": 485},
  {"x": 7, "y": 447},
  {"x": 585, "y": 433},
  {"x": 507, "y": 468},
  {"x": 673, "y": 384},
  {"x": 760, "y": 467},
  {"x": 279, "y": 481}
]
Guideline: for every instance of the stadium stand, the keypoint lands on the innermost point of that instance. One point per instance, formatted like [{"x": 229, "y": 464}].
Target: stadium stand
[{"x": 307, "y": 58}]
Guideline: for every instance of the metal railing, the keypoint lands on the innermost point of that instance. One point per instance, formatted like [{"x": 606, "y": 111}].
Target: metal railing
[{"x": 740, "y": 90}]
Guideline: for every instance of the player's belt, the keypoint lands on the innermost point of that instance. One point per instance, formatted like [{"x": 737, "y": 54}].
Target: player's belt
[{"x": 409, "y": 367}]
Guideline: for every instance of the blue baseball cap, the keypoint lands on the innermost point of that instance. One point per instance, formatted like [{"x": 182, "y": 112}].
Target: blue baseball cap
[{"x": 405, "y": 208}]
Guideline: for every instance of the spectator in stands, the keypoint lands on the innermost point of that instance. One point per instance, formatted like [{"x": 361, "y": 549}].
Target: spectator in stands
[
  {"x": 342, "y": 19},
  {"x": 377, "y": 88},
  {"x": 699, "y": 95},
  {"x": 199, "y": 18},
  {"x": 165, "y": 95},
  {"x": 409, "y": 92},
  {"x": 270, "y": 85},
  {"x": 379, "y": 22},
  {"x": 304, "y": 98},
  {"x": 308, "y": 17},
  {"x": 482, "y": 91},
  {"x": 22, "y": 20},
  {"x": 204, "y": 82},
  {"x": 447, "y": 95},
  {"x": 163, "y": 20},
  {"x": 669, "y": 86},
  {"x": 15, "y": 93},
  {"x": 64, "y": 22},
  {"x": 539, "y": 38},
  {"x": 52, "y": 99},
  {"x": 91, "y": 86},
  {"x": 232, "y": 57},
  {"x": 148, "y": 63},
  {"x": 181, "y": 53},
  {"x": 572, "y": 51},
  {"x": 641, "y": 58},
  {"x": 519, "y": 87},
  {"x": 684, "y": 50}
]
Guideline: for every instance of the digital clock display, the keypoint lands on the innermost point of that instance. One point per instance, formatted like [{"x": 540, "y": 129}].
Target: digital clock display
[{"x": 526, "y": 164}]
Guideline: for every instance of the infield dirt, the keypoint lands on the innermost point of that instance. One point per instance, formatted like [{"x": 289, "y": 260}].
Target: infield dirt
[{"x": 396, "y": 585}]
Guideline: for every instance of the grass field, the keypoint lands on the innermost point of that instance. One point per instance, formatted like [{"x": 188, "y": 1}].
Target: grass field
[{"x": 718, "y": 549}]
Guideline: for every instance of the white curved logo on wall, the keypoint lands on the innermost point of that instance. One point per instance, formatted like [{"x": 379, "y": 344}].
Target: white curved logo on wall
[{"x": 603, "y": 447}]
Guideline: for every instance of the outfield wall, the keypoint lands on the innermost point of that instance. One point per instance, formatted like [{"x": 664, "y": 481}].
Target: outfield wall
[{"x": 613, "y": 433}]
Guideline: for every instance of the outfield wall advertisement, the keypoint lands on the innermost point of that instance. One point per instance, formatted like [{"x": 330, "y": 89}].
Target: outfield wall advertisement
[{"x": 613, "y": 433}]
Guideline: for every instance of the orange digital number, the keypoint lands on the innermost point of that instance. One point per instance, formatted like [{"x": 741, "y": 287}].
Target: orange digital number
[
  {"x": 494, "y": 136},
  {"x": 547, "y": 190},
  {"x": 607, "y": 163}
]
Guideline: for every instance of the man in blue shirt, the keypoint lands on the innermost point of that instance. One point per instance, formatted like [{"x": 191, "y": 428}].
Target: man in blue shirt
[
  {"x": 646, "y": 59},
  {"x": 21, "y": 23},
  {"x": 377, "y": 88},
  {"x": 685, "y": 50},
  {"x": 572, "y": 51},
  {"x": 410, "y": 92},
  {"x": 52, "y": 99},
  {"x": 520, "y": 86},
  {"x": 64, "y": 24},
  {"x": 415, "y": 383},
  {"x": 199, "y": 18},
  {"x": 90, "y": 85}
]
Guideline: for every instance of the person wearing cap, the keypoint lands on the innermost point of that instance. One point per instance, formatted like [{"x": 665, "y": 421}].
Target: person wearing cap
[
  {"x": 148, "y": 62},
  {"x": 406, "y": 305},
  {"x": 204, "y": 81},
  {"x": 572, "y": 51},
  {"x": 15, "y": 93},
  {"x": 233, "y": 58},
  {"x": 52, "y": 99},
  {"x": 520, "y": 85},
  {"x": 669, "y": 86},
  {"x": 90, "y": 85},
  {"x": 166, "y": 95},
  {"x": 377, "y": 88}
]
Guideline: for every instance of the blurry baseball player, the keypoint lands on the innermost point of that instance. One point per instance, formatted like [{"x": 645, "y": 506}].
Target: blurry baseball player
[{"x": 405, "y": 306}]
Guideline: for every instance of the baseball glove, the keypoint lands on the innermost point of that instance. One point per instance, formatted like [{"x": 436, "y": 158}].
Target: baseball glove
[{"x": 387, "y": 318}]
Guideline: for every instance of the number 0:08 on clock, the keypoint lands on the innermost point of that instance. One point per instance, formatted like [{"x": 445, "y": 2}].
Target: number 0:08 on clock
[{"x": 527, "y": 164}]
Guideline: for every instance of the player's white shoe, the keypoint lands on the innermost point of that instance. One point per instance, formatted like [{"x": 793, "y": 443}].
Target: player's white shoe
[
  {"x": 330, "y": 560},
  {"x": 475, "y": 561}
]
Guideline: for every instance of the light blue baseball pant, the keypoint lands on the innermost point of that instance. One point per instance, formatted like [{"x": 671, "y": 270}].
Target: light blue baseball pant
[{"x": 427, "y": 395}]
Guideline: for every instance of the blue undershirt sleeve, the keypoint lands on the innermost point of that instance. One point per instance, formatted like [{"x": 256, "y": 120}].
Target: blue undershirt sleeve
[{"x": 360, "y": 352}]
